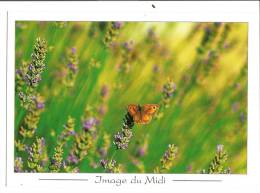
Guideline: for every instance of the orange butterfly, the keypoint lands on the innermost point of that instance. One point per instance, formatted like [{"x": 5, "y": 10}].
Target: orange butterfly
[{"x": 144, "y": 114}]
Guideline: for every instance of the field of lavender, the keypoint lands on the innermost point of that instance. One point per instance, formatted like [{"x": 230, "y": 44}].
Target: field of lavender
[{"x": 75, "y": 80}]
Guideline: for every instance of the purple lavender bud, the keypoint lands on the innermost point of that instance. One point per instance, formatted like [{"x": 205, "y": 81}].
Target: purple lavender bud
[
  {"x": 103, "y": 163},
  {"x": 118, "y": 137},
  {"x": 26, "y": 78},
  {"x": 31, "y": 67},
  {"x": 16, "y": 169},
  {"x": 36, "y": 80},
  {"x": 174, "y": 86},
  {"x": 104, "y": 91},
  {"x": 40, "y": 105},
  {"x": 53, "y": 162},
  {"x": 88, "y": 124},
  {"x": 73, "y": 50},
  {"x": 19, "y": 72},
  {"x": 166, "y": 155},
  {"x": 141, "y": 152},
  {"x": 72, "y": 158},
  {"x": 72, "y": 132},
  {"x": 117, "y": 24},
  {"x": 73, "y": 67},
  {"x": 128, "y": 45}
]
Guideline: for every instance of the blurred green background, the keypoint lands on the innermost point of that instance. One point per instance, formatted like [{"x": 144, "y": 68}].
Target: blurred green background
[{"x": 209, "y": 106}]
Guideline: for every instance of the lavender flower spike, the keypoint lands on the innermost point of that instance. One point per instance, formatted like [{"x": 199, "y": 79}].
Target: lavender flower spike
[{"x": 122, "y": 138}]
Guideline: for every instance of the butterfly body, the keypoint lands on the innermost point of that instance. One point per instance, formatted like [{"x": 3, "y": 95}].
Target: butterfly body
[{"x": 142, "y": 114}]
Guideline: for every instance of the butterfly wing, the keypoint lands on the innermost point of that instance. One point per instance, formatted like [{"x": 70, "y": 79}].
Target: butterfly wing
[
  {"x": 148, "y": 111},
  {"x": 135, "y": 113}
]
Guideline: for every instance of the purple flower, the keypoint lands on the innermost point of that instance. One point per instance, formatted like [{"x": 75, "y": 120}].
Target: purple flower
[
  {"x": 104, "y": 91},
  {"x": 31, "y": 67},
  {"x": 88, "y": 124},
  {"x": 73, "y": 67},
  {"x": 141, "y": 152},
  {"x": 36, "y": 80},
  {"x": 103, "y": 163},
  {"x": 17, "y": 169},
  {"x": 53, "y": 162},
  {"x": 18, "y": 165},
  {"x": 19, "y": 72},
  {"x": 40, "y": 105},
  {"x": 128, "y": 45},
  {"x": 166, "y": 155},
  {"x": 169, "y": 89},
  {"x": 121, "y": 139},
  {"x": 72, "y": 158},
  {"x": 117, "y": 24},
  {"x": 118, "y": 137},
  {"x": 72, "y": 132},
  {"x": 73, "y": 50}
]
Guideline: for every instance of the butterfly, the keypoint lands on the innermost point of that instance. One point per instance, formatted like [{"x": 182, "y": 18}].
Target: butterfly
[{"x": 142, "y": 114}]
